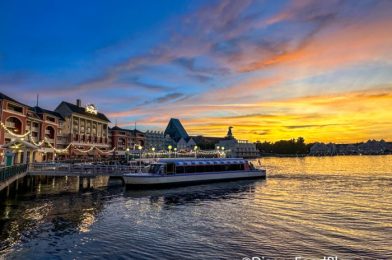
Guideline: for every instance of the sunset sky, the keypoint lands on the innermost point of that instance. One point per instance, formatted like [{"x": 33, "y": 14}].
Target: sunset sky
[{"x": 271, "y": 69}]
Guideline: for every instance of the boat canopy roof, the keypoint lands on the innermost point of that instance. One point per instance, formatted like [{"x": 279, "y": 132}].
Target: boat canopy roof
[{"x": 204, "y": 161}]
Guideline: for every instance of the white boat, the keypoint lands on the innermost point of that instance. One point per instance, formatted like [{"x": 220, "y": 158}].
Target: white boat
[{"x": 187, "y": 171}]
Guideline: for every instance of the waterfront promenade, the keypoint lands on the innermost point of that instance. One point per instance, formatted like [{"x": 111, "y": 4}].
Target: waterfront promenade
[
  {"x": 11, "y": 173},
  {"x": 85, "y": 170}
]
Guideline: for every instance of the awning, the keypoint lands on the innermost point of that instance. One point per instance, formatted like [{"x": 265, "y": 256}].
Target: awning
[{"x": 21, "y": 142}]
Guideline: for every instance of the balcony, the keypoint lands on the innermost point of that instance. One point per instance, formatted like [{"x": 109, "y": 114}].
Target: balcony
[
  {"x": 61, "y": 141},
  {"x": 10, "y": 124},
  {"x": 50, "y": 140}
]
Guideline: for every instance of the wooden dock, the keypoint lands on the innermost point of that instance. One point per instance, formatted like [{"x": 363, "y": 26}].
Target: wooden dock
[
  {"x": 82, "y": 170},
  {"x": 10, "y": 174}
]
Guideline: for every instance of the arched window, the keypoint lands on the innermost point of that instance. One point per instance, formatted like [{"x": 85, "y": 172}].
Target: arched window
[
  {"x": 49, "y": 132},
  {"x": 14, "y": 124}
]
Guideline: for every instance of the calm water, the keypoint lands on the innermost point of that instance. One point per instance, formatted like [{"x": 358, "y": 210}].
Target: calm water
[{"x": 310, "y": 207}]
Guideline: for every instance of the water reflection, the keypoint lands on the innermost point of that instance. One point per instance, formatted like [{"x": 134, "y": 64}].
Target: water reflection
[
  {"x": 197, "y": 194},
  {"x": 55, "y": 206},
  {"x": 307, "y": 207}
]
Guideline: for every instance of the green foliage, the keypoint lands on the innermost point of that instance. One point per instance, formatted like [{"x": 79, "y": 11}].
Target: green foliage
[{"x": 291, "y": 146}]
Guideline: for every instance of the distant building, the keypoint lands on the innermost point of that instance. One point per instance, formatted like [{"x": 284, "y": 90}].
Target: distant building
[
  {"x": 182, "y": 144},
  {"x": 176, "y": 131},
  {"x": 237, "y": 148},
  {"x": 124, "y": 139},
  {"x": 323, "y": 149},
  {"x": 178, "y": 134},
  {"x": 371, "y": 147},
  {"x": 206, "y": 142},
  {"x": 155, "y": 139}
]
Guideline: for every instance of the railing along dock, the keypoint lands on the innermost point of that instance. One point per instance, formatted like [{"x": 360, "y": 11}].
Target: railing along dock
[
  {"x": 66, "y": 169},
  {"x": 9, "y": 174}
]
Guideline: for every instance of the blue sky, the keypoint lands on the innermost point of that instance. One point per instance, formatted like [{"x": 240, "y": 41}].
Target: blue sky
[{"x": 208, "y": 63}]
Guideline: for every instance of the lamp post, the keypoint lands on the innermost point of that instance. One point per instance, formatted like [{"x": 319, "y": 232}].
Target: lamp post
[
  {"x": 223, "y": 152},
  {"x": 140, "y": 157},
  {"x": 195, "y": 148},
  {"x": 217, "y": 150},
  {"x": 127, "y": 154},
  {"x": 170, "y": 147},
  {"x": 153, "y": 152},
  {"x": 175, "y": 152}
]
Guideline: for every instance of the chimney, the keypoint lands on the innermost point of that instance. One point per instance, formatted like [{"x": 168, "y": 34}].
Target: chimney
[{"x": 79, "y": 102}]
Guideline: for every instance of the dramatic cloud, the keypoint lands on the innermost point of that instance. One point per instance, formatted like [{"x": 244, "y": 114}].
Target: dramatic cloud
[{"x": 272, "y": 69}]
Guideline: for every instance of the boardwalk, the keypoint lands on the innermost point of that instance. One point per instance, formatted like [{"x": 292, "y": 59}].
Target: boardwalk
[
  {"x": 83, "y": 170},
  {"x": 10, "y": 174}
]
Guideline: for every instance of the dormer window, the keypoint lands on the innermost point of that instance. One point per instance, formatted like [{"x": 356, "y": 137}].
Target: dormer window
[
  {"x": 15, "y": 108},
  {"x": 51, "y": 119}
]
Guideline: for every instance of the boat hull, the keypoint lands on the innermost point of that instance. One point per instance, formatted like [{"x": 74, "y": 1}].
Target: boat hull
[{"x": 149, "y": 180}]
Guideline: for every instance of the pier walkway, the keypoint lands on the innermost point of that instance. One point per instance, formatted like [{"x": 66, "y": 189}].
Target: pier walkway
[
  {"x": 10, "y": 174},
  {"x": 83, "y": 170}
]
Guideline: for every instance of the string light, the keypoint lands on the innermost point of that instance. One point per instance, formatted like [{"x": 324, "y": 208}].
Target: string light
[
  {"x": 96, "y": 148},
  {"x": 65, "y": 150},
  {"x": 39, "y": 144},
  {"x": 58, "y": 150},
  {"x": 12, "y": 133}
]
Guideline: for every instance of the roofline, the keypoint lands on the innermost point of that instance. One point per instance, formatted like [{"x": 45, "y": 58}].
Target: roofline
[{"x": 73, "y": 112}]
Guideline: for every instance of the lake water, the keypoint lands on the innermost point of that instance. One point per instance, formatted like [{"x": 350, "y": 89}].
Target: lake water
[{"x": 309, "y": 207}]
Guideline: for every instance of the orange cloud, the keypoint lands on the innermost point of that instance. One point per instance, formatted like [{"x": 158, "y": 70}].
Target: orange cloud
[{"x": 349, "y": 117}]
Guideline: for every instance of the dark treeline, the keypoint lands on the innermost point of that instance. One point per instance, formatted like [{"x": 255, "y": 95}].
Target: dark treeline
[{"x": 292, "y": 146}]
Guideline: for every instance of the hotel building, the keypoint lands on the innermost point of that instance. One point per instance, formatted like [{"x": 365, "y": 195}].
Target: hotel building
[
  {"x": 124, "y": 139},
  {"x": 23, "y": 127},
  {"x": 85, "y": 128},
  {"x": 156, "y": 140}
]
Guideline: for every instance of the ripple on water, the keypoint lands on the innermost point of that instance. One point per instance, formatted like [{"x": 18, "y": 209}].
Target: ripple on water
[{"x": 306, "y": 207}]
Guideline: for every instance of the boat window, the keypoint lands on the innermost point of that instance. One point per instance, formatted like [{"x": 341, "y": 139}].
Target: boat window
[
  {"x": 154, "y": 168},
  {"x": 252, "y": 166},
  {"x": 180, "y": 169},
  {"x": 189, "y": 169},
  {"x": 208, "y": 168},
  {"x": 199, "y": 168},
  {"x": 170, "y": 168},
  {"x": 220, "y": 168},
  {"x": 233, "y": 167}
]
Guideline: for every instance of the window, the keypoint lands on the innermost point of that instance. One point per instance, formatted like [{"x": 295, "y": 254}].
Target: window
[
  {"x": 51, "y": 119},
  {"x": 209, "y": 168},
  {"x": 189, "y": 169},
  {"x": 15, "y": 108},
  {"x": 180, "y": 169},
  {"x": 170, "y": 168}
]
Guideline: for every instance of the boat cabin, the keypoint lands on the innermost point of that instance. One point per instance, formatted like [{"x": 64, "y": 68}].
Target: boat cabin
[{"x": 183, "y": 166}]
